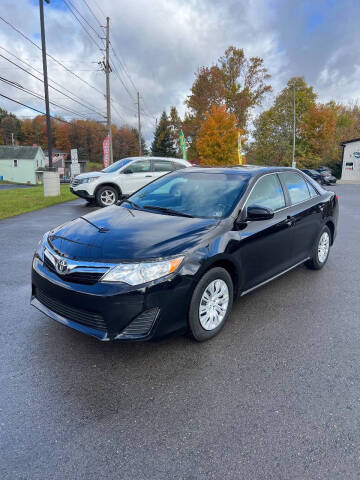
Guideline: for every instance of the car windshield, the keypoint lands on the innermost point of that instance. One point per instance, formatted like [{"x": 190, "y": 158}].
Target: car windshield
[
  {"x": 195, "y": 194},
  {"x": 115, "y": 166}
]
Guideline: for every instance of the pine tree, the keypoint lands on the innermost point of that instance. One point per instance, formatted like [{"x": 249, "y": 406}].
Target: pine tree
[{"x": 162, "y": 145}]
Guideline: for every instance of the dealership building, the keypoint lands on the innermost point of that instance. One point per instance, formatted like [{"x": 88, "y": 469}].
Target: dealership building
[{"x": 351, "y": 161}]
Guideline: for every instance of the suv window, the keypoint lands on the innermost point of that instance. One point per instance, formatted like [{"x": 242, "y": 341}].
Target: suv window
[
  {"x": 267, "y": 193},
  {"x": 178, "y": 165},
  {"x": 162, "y": 166},
  {"x": 296, "y": 186},
  {"x": 139, "y": 166}
]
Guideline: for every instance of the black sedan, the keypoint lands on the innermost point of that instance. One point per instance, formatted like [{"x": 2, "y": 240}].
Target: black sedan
[
  {"x": 173, "y": 257},
  {"x": 314, "y": 174}
]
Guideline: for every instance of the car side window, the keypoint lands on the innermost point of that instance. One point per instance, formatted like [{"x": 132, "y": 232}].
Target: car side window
[
  {"x": 313, "y": 192},
  {"x": 140, "y": 166},
  {"x": 178, "y": 165},
  {"x": 162, "y": 166},
  {"x": 267, "y": 193},
  {"x": 297, "y": 187}
]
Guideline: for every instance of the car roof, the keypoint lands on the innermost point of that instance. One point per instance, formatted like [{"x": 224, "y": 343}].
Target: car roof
[
  {"x": 169, "y": 159},
  {"x": 251, "y": 170}
]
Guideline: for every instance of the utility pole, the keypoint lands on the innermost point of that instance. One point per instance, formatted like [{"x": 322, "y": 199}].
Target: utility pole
[
  {"x": 294, "y": 129},
  {"x": 107, "y": 73},
  {"x": 46, "y": 88},
  {"x": 139, "y": 123}
]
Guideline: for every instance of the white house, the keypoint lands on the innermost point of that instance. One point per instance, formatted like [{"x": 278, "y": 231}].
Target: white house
[
  {"x": 351, "y": 160},
  {"x": 21, "y": 164}
]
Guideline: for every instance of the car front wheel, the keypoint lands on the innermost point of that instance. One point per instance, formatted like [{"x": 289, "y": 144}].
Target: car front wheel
[
  {"x": 106, "y": 196},
  {"x": 211, "y": 304},
  {"x": 321, "y": 250}
]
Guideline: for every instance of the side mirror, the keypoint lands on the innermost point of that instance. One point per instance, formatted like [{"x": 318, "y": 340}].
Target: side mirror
[
  {"x": 127, "y": 171},
  {"x": 255, "y": 212}
]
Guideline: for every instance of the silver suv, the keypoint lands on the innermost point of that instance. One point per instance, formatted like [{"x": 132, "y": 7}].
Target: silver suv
[{"x": 122, "y": 178}]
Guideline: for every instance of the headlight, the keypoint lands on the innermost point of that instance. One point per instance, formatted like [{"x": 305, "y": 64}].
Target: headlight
[
  {"x": 138, "y": 273},
  {"x": 39, "y": 252},
  {"x": 90, "y": 179}
]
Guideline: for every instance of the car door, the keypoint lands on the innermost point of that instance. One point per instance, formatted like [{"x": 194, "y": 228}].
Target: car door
[
  {"x": 265, "y": 245},
  {"x": 135, "y": 176},
  {"x": 305, "y": 212},
  {"x": 161, "y": 167}
]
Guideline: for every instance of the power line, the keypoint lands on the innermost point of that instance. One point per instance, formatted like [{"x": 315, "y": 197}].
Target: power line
[
  {"x": 92, "y": 12},
  {"x": 82, "y": 16},
  {"x": 50, "y": 56},
  {"x": 122, "y": 64},
  {"x": 122, "y": 82},
  {"x": 37, "y": 95},
  {"x": 41, "y": 80},
  {"x": 76, "y": 125},
  {"x": 84, "y": 28},
  {"x": 124, "y": 67}
]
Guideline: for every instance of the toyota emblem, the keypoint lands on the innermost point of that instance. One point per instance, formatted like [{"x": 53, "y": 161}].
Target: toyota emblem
[{"x": 62, "y": 267}]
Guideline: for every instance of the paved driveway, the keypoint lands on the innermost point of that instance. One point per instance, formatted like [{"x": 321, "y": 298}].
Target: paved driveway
[
  {"x": 11, "y": 186},
  {"x": 275, "y": 396}
]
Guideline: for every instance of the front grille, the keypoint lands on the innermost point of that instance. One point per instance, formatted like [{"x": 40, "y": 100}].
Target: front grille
[
  {"x": 75, "y": 182},
  {"x": 90, "y": 319},
  {"x": 141, "y": 325},
  {"x": 87, "y": 278}
]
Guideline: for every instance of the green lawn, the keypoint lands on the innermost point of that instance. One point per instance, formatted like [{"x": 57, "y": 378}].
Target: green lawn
[{"x": 20, "y": 200}]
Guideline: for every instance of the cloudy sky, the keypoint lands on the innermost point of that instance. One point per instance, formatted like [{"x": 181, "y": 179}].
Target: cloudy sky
[{"x": 162, "y": 43}]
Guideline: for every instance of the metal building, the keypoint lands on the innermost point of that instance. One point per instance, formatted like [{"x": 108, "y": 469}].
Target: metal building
[{"x": 351, "y": 160}]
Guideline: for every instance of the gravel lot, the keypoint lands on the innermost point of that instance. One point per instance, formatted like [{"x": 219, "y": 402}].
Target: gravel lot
[{"x": 275, "y": 396}]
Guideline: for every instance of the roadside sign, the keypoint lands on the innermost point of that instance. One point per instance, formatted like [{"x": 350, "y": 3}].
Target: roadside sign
[
  {"x": 75, "y": 169},
  {"x": 74, "y": 155}
]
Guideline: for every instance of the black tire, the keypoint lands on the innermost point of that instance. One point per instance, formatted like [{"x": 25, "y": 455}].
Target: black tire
[
  {"x": 91, "y": 201},
  {"x": 101, "y": 195},
  {"x": 197, "y": 331},
  {"x": 316, "y": 263}
]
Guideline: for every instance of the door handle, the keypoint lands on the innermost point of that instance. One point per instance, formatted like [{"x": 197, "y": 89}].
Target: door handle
[
  {"x": 148, "y": 176},
  {"x": 290, "y": 221}
]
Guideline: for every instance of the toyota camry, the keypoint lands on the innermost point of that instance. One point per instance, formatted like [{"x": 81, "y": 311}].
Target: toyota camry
[{"x": 174, "y": 256}]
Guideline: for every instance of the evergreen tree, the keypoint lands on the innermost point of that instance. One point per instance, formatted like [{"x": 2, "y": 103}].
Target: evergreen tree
[{"x": 162, "y": 145}]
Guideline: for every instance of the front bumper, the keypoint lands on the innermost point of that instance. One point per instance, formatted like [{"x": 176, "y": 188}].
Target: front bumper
[
  {"x": 82, "y": 194},
  {"x": 114, "y": 311}
]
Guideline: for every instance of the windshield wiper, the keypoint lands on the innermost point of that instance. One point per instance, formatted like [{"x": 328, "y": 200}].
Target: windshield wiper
[
  {"x": 168, "y": 211},
  {"x": 131, "y": 203},
  {"x": 100, "y": 229}
]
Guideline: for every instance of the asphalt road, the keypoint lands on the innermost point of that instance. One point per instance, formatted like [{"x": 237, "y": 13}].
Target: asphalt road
[
  {"x": 275, "y": 396},
  {"x": 9, "y": 186}
]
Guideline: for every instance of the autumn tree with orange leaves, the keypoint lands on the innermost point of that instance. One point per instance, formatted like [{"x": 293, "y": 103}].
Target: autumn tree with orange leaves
[{"x": 217, "y": 138}]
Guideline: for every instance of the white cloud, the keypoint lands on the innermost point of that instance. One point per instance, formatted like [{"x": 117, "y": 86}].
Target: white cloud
[{"x": 164, "y": 42}]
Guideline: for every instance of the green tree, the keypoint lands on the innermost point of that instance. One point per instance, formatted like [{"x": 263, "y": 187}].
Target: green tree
[
  {"x": 273, "y": 133},
  {"x": 162, "y": 145}
]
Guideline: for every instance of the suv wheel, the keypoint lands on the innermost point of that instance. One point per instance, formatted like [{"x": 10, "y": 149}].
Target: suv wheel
[
  {"x": 106, "y": 196},
  {"x": 211, "y": 304}
]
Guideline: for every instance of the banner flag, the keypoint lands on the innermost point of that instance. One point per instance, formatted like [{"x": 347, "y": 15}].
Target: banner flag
[
  {"x": 239, "y": 149},
  {"x": 183, "y": 145},
  {"x": 106, "y": 151}
]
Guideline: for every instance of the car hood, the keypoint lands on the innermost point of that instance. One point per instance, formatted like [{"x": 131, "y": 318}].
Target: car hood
[
  {"x": 89, "y": 175},
  {"x": 130, "y": 235}
]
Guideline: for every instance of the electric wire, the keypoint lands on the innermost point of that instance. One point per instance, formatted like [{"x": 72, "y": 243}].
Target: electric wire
[
  {"x": 54, "y": 88},
  {"x": 50, "y": 56}
]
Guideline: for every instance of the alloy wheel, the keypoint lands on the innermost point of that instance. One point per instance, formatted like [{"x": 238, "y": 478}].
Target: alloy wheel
[{"x": 107, "y": 197}]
